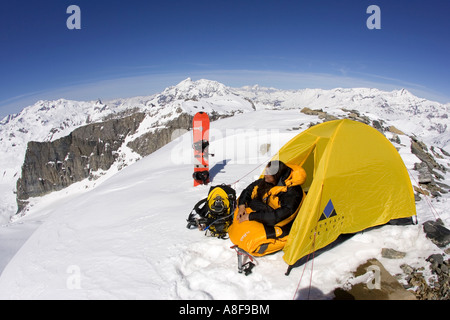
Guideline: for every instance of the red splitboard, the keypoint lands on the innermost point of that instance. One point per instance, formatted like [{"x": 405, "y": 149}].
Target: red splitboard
[{"x": 200, "y": 145}]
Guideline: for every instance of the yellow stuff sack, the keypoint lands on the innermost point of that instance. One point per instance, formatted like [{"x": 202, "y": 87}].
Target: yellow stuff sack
[{"x": 255, "y": 238}]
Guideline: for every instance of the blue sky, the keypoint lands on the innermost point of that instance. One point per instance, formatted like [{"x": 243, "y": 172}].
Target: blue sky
[{"x": 129, "y": 48}]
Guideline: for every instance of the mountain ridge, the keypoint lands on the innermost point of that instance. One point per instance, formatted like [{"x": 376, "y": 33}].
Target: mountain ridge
[{"x": 46, "y": 121}]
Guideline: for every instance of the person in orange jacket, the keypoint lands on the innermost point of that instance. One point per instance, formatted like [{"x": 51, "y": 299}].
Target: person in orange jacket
[{"x": 270, "y": 203}]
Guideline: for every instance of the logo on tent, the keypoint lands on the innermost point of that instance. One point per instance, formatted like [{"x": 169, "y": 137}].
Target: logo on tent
[{"x": 328, "y": 212}]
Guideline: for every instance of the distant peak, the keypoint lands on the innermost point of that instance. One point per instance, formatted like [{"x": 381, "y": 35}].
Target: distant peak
[
  {"x": 187, "y": 80},
  {"x": 403, "y": 92},
  {"x": 188, "y": 89}
]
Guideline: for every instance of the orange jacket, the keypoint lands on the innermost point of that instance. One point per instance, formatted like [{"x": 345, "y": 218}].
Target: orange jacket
[{"x": 281, "y": 203}]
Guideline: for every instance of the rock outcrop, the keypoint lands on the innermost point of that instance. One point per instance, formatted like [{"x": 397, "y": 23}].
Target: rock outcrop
[
  {"x": 155, "y": 139},
  {"x": 429, "y": 177},
  {"x": 436, "y": 287},
  {"x": 52, "y": 166}
]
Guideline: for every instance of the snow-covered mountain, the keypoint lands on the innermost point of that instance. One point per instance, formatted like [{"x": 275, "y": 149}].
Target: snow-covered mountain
[
  {"x": 428, "y": 120},
  {"x": 50, "y": 120},
  {"x": 123, "y": 235}
]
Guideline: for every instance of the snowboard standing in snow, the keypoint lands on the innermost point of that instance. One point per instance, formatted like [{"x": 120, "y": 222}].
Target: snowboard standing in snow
[{"x": 200, "y": 145}]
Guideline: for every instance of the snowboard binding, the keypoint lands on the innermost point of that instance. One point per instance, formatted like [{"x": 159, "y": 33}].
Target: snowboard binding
[{"x": 202, "y": 176}]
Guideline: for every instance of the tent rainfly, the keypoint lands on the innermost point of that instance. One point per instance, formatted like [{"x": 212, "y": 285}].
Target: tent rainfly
[{"x": 356, "y": 179}]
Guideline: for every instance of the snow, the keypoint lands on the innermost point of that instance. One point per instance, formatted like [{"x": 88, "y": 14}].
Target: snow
[
  {"x": 138, "y": 248},
  {"x": 124, "y": 235},
  {"x": 50, "y": 120}
]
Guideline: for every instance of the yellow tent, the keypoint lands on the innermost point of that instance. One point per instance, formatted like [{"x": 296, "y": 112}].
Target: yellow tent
[{"x": 356, "y": 180}]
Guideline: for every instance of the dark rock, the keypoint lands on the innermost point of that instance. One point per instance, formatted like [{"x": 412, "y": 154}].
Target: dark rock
[
  {"x": 445, "y": 153},
  {"x": 437, "y": 233},
  {"x": 436, "y": 258},
  {"x": 427, "y": 181},
  {"x": 407, "y": 269},
  {"x": 395, "y": 138},
  {"x": 152, "y": 141},
  {"x": 420, "y": 150},
  {"x": 377, "y": 125},
  {"x": 52, "y": 166}
]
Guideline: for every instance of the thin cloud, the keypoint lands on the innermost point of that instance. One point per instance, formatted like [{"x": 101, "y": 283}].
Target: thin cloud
[{"x": 153, "y": 83}]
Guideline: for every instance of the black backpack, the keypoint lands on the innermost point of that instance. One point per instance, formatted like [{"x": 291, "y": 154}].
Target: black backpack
[{"x": 215, "y": 212}]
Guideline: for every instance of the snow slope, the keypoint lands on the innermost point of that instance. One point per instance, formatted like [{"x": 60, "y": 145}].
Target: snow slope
[{"x": 126, "y": 238}]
